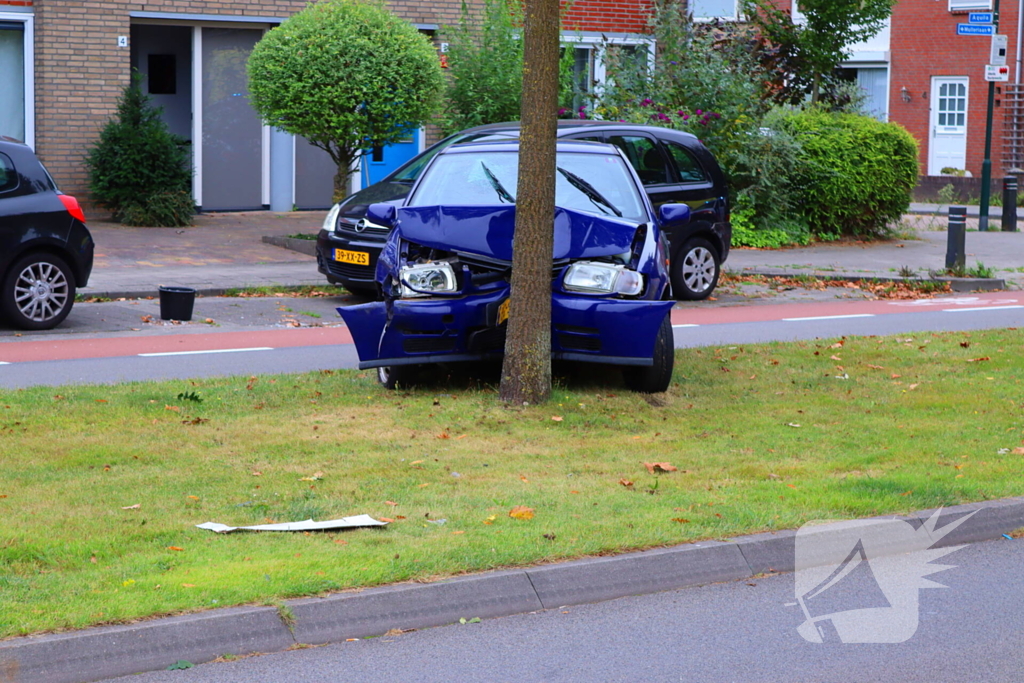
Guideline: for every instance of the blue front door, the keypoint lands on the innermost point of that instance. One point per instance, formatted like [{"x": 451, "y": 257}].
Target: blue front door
[{"x": 380, "y": 161}]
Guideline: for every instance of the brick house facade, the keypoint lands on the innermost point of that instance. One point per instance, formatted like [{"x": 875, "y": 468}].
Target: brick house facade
[{"x": 77, "y": 56}]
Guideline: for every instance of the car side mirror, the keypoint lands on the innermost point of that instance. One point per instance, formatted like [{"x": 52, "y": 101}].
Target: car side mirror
[
  {"x": 382, "y": 214},
  {"x": 674, "y": 214}
]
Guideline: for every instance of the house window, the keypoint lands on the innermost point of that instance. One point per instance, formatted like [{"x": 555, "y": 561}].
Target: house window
[
  {"x": 12, "y": 66},
  {"x": 964, "y": 5},
  {"x": 589, "y": 69},
  {"x": 703, "y": 10}
]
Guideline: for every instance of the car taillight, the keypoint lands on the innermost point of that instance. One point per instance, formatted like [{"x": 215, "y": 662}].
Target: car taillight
[{"x": 71, "y": 204}]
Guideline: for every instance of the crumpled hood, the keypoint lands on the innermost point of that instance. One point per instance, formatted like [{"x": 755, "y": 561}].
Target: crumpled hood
[{"x": 488, "y": 231}]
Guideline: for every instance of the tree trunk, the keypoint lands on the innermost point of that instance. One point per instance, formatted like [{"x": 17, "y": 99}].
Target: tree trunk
[
  {"x": 341, "y": 181},
  {"x": 526, "y": 375}
]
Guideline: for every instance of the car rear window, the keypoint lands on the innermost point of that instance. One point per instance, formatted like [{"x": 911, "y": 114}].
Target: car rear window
[
  {"x": 689, "y": 168},
  {"x": 8, "y": 176}
]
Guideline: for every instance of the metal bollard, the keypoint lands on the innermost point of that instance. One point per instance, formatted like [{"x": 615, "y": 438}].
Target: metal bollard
[
  {"x": 955, "y": 233},
  {"x": 1009, "y": 204}
]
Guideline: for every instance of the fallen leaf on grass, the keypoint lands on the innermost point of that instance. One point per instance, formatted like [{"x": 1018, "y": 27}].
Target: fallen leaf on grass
[
  {"x": 193, "y": 497},
  {"x": 680, "y": 520},
  {"x": 256, "y": 473},
  {"x": 390, "y": 502},
  {"x": 421, "y": 486},
  {"x": 792, "y": 424},
  {"x": 550, "y": 537},
  {"x": 965, "y": 344},
  {"x": 415, "y": 462},
  {"x": 1018, "y": 451},
  {"x": 626, "y": 482},
  {"x": 894, "y": 376},
  {"x": 912, "y": 387},
  {"x": 443, "y": 435},
  {"x": 316, "y": 476},
  {"x": 490, "y": 520},
  {"x": 556, "y": 418},
  {"x": 188, "y": 585},
  {"x": 127, "y": 507},
  {"x": 521, "y": 512},
  {"x": 174, "y": 408},
  {"x": 653, "y": 467},
  {"x": 340, "y": 542},
  {"x": 456, "y": 533},
  {"x": 387, "y": 519},
  {"x": 875, "y": 367},
  {"x": 174, "y": 547},
  {"x": 978, "y": 360}
]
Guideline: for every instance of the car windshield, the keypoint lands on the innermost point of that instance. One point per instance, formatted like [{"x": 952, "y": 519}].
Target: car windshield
[{"x": 593, "y": 183}]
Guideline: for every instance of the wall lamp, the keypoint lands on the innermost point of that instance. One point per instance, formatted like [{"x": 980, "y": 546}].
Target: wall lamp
[{"x": 905, "y": 94}]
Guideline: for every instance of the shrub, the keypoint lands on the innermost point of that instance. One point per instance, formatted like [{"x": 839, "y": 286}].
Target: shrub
[
  {"x": 348, "y": 75},
  {"x": 856, "y": 173},
  {"x": 164, "y": 209},
  {"x": 137, "y": 161}
]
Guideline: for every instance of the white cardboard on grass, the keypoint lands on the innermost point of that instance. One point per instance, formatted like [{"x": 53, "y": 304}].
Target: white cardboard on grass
[{"x": 308, "y": 525}]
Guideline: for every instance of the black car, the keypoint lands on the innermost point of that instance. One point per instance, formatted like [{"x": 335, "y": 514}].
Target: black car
[
  {"x": 46, "y": 251},
  {"x": 674, "y": 167}
]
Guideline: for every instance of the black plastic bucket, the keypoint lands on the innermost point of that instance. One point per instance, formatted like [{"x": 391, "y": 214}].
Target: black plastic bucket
[{"x": 176, "y": 303}]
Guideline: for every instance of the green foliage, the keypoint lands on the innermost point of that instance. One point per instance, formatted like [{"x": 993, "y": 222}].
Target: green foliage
[
  {"x": 164, "y": 209},
  {"x": 948, "y": 193},
  {"x": 805, "y": 56},
  {"x": 855, "y": 174},
  {"x": 706, "y": 80},
  {"x": 485, "y": 67},
  {"x": 347, "y": 75},
  {"x": 138, "y": 169}
]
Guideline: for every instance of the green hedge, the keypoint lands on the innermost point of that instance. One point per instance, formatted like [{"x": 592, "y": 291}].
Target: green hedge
[{"x": 856, "y": 173}]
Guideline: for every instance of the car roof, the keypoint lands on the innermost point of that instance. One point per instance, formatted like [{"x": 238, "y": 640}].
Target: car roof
[
  {"x": 512, "y": 144},
  {"x": 569, "y": 126}
]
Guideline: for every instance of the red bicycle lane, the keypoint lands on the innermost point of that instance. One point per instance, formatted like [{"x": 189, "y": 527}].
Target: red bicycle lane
[{"x": 64, "y": 348}]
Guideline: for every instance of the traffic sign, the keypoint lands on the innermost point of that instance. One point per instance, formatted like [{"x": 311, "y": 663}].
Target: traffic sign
[
  {"x": 981, "y": 17},
  {"x": 997, "y": 72},
  {"x": 975, "y": 29}
]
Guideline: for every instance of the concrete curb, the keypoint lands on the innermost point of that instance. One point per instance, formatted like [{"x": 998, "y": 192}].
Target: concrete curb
[
  {"x": 105, "y": 652},
  {"x": 307, "y": 247},
  {"x": 957, "y": 284}
]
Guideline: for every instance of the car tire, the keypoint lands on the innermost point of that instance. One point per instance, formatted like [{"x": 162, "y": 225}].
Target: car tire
[
  {"x": 396, "y": 376},
  {"x": 38, "y": 292},
  {"x": 695, "y": 270},
  {"x": 655, "y": 378}
]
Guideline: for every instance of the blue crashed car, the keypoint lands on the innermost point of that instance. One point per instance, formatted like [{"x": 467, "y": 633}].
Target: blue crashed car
[{"x": 445, "y": 269}]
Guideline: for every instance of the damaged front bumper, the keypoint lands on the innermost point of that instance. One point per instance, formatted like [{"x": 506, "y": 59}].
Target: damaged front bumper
[{"x": 588, "y": 329}]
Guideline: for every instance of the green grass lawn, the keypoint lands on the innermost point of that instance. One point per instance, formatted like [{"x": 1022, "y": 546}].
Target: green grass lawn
[{"x": 763, "y": 436}]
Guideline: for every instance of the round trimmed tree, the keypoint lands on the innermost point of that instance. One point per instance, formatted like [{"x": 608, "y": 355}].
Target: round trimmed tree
[{"x": 347, "y": 75}]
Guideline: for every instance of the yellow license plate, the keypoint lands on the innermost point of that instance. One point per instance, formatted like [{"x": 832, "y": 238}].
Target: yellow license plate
[
  {"x": 360, "y": 258},
  {"x": 503, "y": 311}
]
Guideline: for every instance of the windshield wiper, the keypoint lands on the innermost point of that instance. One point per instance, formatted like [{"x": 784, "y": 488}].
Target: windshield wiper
[
  {"x": 586, "y": 188},
  {"x": 498, "y": 187}
]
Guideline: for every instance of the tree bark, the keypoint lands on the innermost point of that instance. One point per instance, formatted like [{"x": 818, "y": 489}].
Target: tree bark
[{"x": 526, "y": 374}]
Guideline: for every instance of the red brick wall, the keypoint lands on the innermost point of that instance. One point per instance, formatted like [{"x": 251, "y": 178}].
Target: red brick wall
[
  {"x": 925, "y": 44},
  {"x": 612, "y": 16}
]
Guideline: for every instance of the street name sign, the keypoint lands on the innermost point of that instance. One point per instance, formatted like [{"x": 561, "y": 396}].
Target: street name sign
[
  {"x": 975, "y": 29},
  {"x": 981, "y": 18}
]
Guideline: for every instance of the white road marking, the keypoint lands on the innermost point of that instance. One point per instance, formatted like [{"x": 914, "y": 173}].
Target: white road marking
[
  {"x": 959, "y": 301},
  {"x": 4, "y": 363},
  {"x": 979, "y": 308},
  {"x": 193, "y": 353},
  {"x": 685, "y": 325},
  {"x": 830, "y": 317}
]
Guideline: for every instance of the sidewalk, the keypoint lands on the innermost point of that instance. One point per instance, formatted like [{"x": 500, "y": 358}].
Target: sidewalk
[{"x": 226, "y": 251}]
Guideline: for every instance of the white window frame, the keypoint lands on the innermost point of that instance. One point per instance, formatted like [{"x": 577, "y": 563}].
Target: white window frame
[
  {"x": 702, "y": 19},
  {"x": 30, "y": 72},
  {"x": 965, "y": 5},
  {"x": 595, "y": 41}
]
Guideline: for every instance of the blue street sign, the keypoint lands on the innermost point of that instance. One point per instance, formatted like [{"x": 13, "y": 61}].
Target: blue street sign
[
  {"x": 981, "y": 17},
  {"x": 975, "y": 29}
]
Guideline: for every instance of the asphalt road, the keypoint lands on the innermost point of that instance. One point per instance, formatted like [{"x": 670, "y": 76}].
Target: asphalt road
[
  {"x": 114, "y": 341},
  {"x": 735, "y": 632}
]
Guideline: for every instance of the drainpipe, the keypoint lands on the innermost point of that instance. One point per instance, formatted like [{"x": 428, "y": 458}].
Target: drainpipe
[{"x": 1020, "y": 31}]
